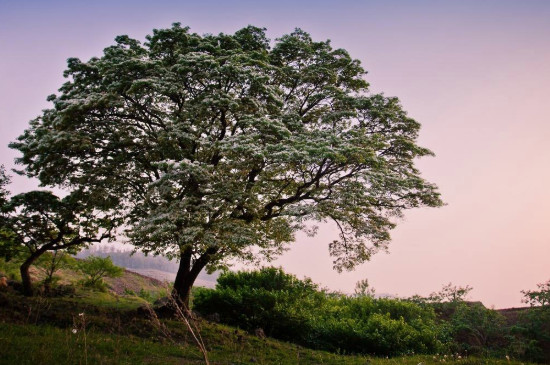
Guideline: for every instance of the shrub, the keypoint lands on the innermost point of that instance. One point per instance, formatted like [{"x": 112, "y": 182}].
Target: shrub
[
  {"x": 476, "y": 329},
  {"x": 96, "y": 269},
  {"x": 298, "y": 311},
  {"x": 144, "y": 294},
  {"x": 51, "y": 262},
  {"x": 270, "y": 299}
]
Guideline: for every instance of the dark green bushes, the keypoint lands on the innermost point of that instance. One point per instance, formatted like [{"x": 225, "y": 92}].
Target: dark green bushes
[
  {"x": 478, "y": 330},
  {"x": 531, "y": 334},
  {"x": 298, "y": 311},
  {"x": 278, "y": 303}
]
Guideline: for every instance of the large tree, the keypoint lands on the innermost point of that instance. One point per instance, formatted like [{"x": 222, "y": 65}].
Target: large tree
[{"x": 219, "y": 146}]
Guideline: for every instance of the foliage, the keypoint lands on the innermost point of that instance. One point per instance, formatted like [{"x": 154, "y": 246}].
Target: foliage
[
  {"x": 51, "y": 262},
  {"x": 278, "y": 303},
  {"x": 531, "y": 335},
  {"x": 220, "y": 147},
  {"x": 450, "y": 293},
  {"x": 538, "y": 297},
  {"x": 4, "y": 181},
  {"x": 10, "y": 268},
  {"x": 445, "y": 302},
  {"x": 96, "y": 269},
  {"x": 363, "y": 289},
  {"x": 144, "y": 294},
  {"x": 478, "y": 330},
  {"x": 295, "y": 310},
  {"x": 39, "y": 221},
  {"x": 7, "y": 249}
]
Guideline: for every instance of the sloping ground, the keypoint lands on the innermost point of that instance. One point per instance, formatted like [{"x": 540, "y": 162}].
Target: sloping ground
[
  {"x": 135, "y": 282},
  {"x": 73, "y": 331},
  {"x": 129, "y": 282}
]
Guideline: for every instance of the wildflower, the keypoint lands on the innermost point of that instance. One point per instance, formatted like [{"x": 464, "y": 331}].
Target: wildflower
[
  {"x": 81, "y": 314},
  {"x": 74, "y": 330},
  {"x": 459, "y": 357}
]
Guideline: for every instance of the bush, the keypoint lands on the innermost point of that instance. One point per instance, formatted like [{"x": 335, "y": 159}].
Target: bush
[
  {"x": 478, "y": 330},
  {"x": 51, "y": 262},
  {"x": 97, "y": 268},
  {"x": 531, "y": 335},
  {"x": 270, "y": 299},
  {"x": 375, "y": 326},
  {"x": 298, "y": 311},
  {"x": 144, "y": 294},
  {"x": 10, "y": 269}
]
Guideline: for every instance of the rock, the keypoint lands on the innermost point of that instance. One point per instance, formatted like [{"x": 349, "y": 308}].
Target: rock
[
  {"x": 162, "y": 302},
  {"x": 214, "y": 317}
]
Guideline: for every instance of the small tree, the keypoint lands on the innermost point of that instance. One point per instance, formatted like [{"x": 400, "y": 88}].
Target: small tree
[
  {"x": 97, "y": 268},
  {"x": 477, "y": 328},
  {"x": 539, "y": 297},
  {"x": 450, "y": 293},
  {"x": 363, "y": 289},
  {"x": 534, "y": 325},
  {"x": 51, "y": 262},
  {"x": 38, "y": 221}
]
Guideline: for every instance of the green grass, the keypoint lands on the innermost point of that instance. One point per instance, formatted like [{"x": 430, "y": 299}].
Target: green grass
[
  {"x": 111, "y": 331},
  {"x": 31, "y": 344},
  {"x": 108, "y": 300}
]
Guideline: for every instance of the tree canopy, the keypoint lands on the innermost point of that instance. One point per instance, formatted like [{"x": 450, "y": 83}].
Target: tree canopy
[
  {"x": 540, "y": 297},
  {"x": 96, "y": 268},
  {"x": 6, "y": 250},
  {"x": 221, "y": 146},
  {"x": 38, "y": 221}
]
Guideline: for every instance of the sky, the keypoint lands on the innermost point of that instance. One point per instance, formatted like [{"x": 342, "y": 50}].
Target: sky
[{"x": 475, "y": 74}]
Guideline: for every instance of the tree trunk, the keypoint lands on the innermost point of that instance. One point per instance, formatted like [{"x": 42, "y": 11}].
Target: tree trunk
[
  {"x": 182, "y": 288},
  {"x": 26, "y": 279},
  {"x": 25, "y": 275},
  {"x": 188, "y": 273}
]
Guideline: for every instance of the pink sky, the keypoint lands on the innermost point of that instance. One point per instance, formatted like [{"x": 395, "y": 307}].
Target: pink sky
[{"x": 475, "y": 74}]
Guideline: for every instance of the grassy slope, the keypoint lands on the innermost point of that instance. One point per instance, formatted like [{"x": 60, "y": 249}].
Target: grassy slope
[
  {"x": 112, "y": 330},
  {"x": 39, "y": 344}
]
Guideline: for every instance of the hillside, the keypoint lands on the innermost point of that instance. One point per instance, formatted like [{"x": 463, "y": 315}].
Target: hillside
[
  {"x": 110, "y": 329},
  {"x": 120, "y": 325}
]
